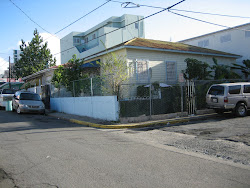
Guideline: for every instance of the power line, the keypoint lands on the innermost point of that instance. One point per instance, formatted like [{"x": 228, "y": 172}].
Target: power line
[
  {"x": 168, "y": 8},
  {"x": 213, "y": 14},
  {"x": 80, "y": 18},
  {"x": 133, "y": 5},
  {"x": 29, "y": 16},
  {"x": 211, "y": 23},
  {"x": 83, "y": 16}
]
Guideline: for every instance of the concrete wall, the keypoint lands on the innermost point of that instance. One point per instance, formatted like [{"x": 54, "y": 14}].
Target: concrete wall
[{"x": 101, "y": 107}]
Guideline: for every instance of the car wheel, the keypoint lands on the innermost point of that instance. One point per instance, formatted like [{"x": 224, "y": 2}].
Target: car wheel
[
  {"x": 18, "y": 110},
  {"x": 241, "y": 110}
]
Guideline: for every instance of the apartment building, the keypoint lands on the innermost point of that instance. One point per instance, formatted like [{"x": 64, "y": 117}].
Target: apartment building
[
  {"x": 107, "y": 34},
  {"x": 234, "y": 40}
]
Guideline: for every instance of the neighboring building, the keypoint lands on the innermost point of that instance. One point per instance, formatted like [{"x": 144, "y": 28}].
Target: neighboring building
[
  {"x": 107, "y": 34},
  {"x": 40, "y": 78},
  {"x": 16, "y": 55},
  {"x": 12, "y": 75},
  {"x": 233, "y": 40}
]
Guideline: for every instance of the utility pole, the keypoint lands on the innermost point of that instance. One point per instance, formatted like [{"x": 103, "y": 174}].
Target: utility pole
[{"x": 9, "y": 73}]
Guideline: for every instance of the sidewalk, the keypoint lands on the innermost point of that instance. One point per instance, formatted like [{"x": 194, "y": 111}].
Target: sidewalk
[{"x": 97, "y": 123}]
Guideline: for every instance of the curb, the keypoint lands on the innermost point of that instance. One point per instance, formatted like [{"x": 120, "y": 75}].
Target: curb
[{"x": 138, "y": 125}]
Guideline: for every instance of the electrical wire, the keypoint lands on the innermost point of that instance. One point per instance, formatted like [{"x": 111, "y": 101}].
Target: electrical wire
[
  {"x": 213, "y": 14},
  {"x": 62, "y": 28},
  {"x": 79, "y": 18},
  {"x": 29, "y": 17},
  {"x": 149, "y": 6},
  {"x": 211, "y": 23},
  {"x": 190, "y": 11},
  {"x": 165, "y": 9}
]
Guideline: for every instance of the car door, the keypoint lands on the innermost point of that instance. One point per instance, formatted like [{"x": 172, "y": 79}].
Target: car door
[{"x": 246, "y": 94}]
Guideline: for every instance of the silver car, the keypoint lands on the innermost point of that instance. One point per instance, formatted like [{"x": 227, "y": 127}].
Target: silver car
[
  {"x": 229, "y": 97},
  {"x": 24, "y": 101}
]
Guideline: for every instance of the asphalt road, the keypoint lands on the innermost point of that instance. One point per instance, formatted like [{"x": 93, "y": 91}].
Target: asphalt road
[{"x": 41, "y": 151}]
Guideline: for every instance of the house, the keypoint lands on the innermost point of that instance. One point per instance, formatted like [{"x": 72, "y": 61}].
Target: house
[
  {"x": 165, "y": 59},
  {"x": 39, "y": 83},
  {"x": 234, "y": 40},
  {"x": 150, "y": 61},
  {"x": 109, "y": 33}
]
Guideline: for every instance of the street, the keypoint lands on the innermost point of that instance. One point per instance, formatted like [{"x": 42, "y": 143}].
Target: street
[{"x": 42, "y": 151}]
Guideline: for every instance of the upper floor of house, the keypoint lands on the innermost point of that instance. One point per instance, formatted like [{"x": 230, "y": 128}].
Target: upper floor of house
[{"x": 106, "y": 34}]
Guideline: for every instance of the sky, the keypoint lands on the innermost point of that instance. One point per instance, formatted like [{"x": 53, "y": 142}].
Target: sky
[{"x": 50, "y": 16}]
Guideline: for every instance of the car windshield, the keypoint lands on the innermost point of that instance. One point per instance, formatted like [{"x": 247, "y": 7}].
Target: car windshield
[
  {"x": 216, "y": 90},
  {"x": 8, "y": 91},
  {"x": 30, "y": 96}
]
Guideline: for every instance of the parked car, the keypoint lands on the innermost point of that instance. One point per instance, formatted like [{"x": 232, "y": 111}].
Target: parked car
[
  {"x": 5, "y": 96},
  {"x": 229, "y": 97},
  {"x": 29, "y": 102}
]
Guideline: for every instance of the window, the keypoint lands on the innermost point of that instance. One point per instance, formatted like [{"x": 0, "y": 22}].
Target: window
[
  {"x": 216, "y": 90},
  {"x": 86, "y": 40},
  {"x": 247, "y": 34},
  {"x": 225, "y": 38},
  {"x": 203, "y": 43},
  {"x": 246, "y": 88},
  {"x": 136, "y": 25},
  {"x": 171, "y": 72},
  {"x": 93, "y": 36},
  {"x": 76, "y": 40},
  {"x": 234, "y": 89},
  {"x": 142, "y": 71},
  {"x": 30, "y": 96}
]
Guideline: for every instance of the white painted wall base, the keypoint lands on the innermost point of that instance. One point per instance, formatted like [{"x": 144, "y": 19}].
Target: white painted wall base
[{"x": 101, "y": 107}]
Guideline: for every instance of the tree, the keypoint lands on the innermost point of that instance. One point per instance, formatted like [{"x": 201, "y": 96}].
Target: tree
[
  {"x": 34, "y": 57},
  {"x": 196, "y": 70},
  {"x": 245, "y": 68},
  {"x": 223, "y": 71},
  {"x": 114, "y": 71},
  {"x": 68, "y": 73}
]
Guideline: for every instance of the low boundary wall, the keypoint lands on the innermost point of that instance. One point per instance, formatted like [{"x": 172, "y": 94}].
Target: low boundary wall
[{"x": 101, "y": 107}]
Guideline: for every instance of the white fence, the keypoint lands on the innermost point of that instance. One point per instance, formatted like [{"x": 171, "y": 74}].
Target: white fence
[{"x": 101, "y": 107}]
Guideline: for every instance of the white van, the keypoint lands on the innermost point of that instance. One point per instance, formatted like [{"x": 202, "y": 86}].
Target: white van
[{"x": 229, "y": 97}]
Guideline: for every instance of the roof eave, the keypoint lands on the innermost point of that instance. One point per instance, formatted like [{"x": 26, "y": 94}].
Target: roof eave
[
  {"x": 34, "y": 75},
  {"x": 182, "y": 51}
]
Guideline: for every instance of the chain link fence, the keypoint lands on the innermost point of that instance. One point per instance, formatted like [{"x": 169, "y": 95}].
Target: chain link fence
[{"x": 79, "y": 88}]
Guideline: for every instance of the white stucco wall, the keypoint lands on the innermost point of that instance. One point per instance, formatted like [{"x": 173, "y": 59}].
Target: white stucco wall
[{"x": 101, "y": 107}]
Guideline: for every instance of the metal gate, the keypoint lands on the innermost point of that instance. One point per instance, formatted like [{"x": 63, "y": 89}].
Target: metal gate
[{"x": 190, "y": 96}]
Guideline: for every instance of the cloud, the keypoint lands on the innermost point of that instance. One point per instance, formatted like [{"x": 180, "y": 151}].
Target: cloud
[{"x": 53, "y": 45}]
